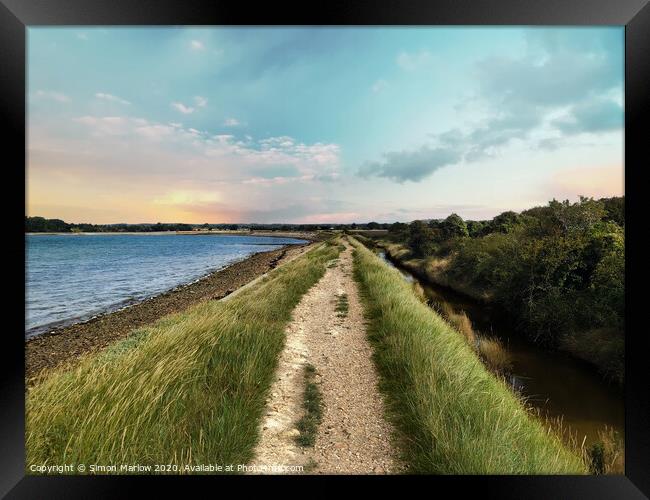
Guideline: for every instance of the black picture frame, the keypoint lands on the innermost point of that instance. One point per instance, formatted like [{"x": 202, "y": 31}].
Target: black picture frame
[{"x": 17, "y": 15}]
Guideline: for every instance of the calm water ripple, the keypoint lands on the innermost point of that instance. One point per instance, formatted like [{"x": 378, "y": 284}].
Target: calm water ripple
[{"x": 73, "y": 277}]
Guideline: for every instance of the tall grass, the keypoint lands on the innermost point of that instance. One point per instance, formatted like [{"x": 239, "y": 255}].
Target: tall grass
[
  {"x": 490, "y": 349},
  {"x": 190, "y": 389},
  {"x": 607, "y": 455},
  {"x": 313, "y": 409},
  {"x": 453, "y": 415}
]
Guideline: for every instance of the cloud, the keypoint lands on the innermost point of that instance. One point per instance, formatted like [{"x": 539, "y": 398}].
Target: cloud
[
  {"x": 197, "y": 45},
  {"x": 564, "y": 84},
  {"x": 379, "y": 86},
  {"x": 271, "y": 180},
  {"x": 411, "y": 61},
  {"x": 188, "y": 198},
  {"x": 201, "y": 102},
  {"x": 231, "y": 122},
  {"x": 560, "y": 69},
  {"x": 236, "y": 158},
  {"x": 313, "y": 210},
  {"x": 112, "y": 98},
  {"x": 179, "y": 106},
  {"x": 411, "y": 165},
  {"x": 104, "y": 126},
  {"x": 281, "y": 171},
  {"x": 49, "y": 94},
  {"x": 437, "y": 211},
  {"x": 592, "y": 116},
  {"x": 155, "y": 132}
]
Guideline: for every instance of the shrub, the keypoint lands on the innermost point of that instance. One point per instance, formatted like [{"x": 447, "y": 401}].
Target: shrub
[
  {"x": 454, "y": 227},
  {"x": 421, "y": 239}
]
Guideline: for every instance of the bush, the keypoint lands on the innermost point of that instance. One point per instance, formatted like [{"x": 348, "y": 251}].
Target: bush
[
  {"x": 454, "y": 227},
  {"x": 503, "y": 223},
  {"x": 421, "y": 239}
]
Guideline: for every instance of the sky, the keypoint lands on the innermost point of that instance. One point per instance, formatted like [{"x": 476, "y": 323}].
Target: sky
[{"x": 319, "y": 125}]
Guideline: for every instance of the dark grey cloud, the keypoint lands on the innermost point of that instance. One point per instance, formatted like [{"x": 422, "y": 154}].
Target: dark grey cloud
[
  {"x": 411, "y": 165},
  {"x": 592, "y": 116},
  {"x": 574, "y": 69}
]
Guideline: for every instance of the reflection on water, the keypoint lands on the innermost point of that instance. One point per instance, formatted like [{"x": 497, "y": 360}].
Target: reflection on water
[{"x": 555, "y": 383}]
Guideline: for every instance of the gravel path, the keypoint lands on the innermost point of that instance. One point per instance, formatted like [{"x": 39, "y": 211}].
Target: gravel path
[{"x": 353, "y": 437}]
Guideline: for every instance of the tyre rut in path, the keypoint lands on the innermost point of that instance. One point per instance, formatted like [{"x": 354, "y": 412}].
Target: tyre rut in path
[{"x": 353, "y": 437}]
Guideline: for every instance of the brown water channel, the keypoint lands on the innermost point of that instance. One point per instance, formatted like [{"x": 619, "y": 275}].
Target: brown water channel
[{"x": 552, "y": 381}]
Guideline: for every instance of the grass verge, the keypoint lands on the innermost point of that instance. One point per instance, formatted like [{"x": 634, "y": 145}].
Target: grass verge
[
  {"x": 453, "y": 415},
  {"x": 188, "y": 390},
  {"x": 313, "y": 406}
]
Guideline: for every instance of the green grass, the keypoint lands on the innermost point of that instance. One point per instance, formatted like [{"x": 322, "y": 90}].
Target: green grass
[
  {"x": 453, "y": 416},
  {"x": 190, "y": 389},
  {"x": 313, "y": 406},
  {"x": 342, "y": 305}
]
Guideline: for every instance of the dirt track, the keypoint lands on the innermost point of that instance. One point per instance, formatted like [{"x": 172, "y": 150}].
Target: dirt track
[{"x": 354, "y": 437}]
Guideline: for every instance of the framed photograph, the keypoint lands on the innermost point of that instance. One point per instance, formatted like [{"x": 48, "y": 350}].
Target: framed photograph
[{"x": 360, "y": 241}]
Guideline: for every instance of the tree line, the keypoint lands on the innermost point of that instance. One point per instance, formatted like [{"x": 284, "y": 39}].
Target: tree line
[
  {"x": 558, "y": 270},
  {"x": 42, "y": 225}
]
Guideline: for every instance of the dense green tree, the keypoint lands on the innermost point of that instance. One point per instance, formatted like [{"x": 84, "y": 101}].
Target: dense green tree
[
  {"x": 578, "y": 216},
  {"x": 397, "y": 227},
  {"x": 505, "y": 222},
  {"x": 475, "y": 228},
  {"x": 421, "y": 239},
  {"x": 453, "y": 227},
  {"x": 43, "y": 225},
  {"x": 615, "y": 209}
]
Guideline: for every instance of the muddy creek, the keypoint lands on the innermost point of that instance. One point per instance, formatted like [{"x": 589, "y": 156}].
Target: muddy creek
[{"x": 558, "y": 385}]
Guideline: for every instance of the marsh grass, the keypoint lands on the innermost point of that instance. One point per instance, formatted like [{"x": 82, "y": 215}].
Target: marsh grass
[
  {"x": 313, "y": 407},
  {"x": 607, "y": 455},
  {"x": 419, "y": 292},
  {"x": 190, "y": 389},
  {"x": 493, "y": 354},
  {"x": 453, "y": 415},
  {"x": 490, "y": 349}
]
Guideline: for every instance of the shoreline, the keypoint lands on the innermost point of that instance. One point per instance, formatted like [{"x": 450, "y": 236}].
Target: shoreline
[
  {"x": 310, "y": 236},
  {"x": 65, "y": 345}
]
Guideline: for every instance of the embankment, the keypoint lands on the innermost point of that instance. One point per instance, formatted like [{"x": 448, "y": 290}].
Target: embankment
[
  {"x": 453, "y": 415},
  {"x": 431, "y": 270}
]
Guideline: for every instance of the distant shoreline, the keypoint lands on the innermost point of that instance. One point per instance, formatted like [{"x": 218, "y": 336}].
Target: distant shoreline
[{"x": 219, "y": 232}]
